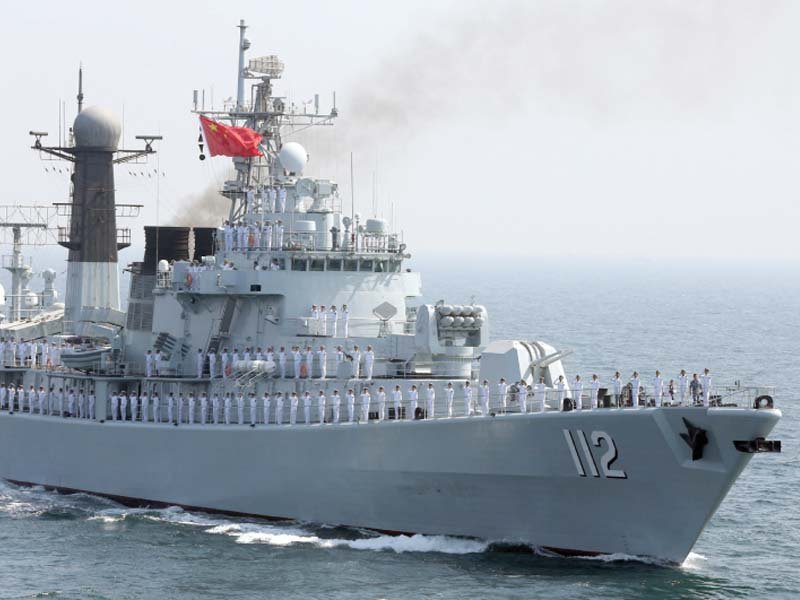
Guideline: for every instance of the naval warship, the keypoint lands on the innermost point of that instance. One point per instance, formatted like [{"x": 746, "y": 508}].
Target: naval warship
[{"x": 214, "y": 390}]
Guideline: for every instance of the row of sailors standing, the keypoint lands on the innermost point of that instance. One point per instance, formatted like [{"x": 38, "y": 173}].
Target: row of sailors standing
[
  {"x": 259, "y": 235},
  {"x": 324, "y": 321},
  {"x": 56, "y": 402},
  {"x": 33, "y": 353},
  {"x": 269, "y": 199},
  {"x": 303, "y": 362}
]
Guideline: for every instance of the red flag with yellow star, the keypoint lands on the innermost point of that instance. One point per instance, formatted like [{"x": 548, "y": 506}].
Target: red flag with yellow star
[{"x": 224, "y": 140}]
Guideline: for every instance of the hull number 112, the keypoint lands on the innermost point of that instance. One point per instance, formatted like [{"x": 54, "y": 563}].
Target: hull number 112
[{"x": 598, "y": 440}]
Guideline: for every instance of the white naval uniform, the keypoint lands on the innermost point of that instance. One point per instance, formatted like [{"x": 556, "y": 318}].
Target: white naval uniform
[
  {"x": 369, "y": 362},
  {"x": 228, "y": 238},
  {"x": 279, "y": 409},
  {"x": 199, "y": 360},
  {"x": 191, "y": 409},
  {"x": 293, "y": 402},
  {"x": 70, "y": 403},
  {"x": 635, "y": 385},
  {"x": 265, "y": 401},
  {"x": 381, "y": 406},
  {"x": 180, "y": 400},
  {"x": 397, "y": 398},
  {"x": 539, "y": 395},
  {"x": 351, "y": 407},
  {"x": 561, "y": 392},
  {"x": 224, "y": 357},
  {"x": 502, "y": 395},
  {"x": 365, "y": 400},
  {"x": 156, "y": 408},
  {"x": 705, "y": 381},
  {"x": 449, "y": 393},
  {"x": 337, "y": 403},
  {"x": 658, "y": 390},
  {"x": 309, "y": 359},
  {"x": 413, "y": 403},
  {"x": 212, "y": 364},
  {"x": 345, "y": 316},
  {"x": 523, "y": 398},
  {"x": 595, "y": 391},
  {"x": 683, "y": 386},
  {"x": 123, "y": 408},
  {"x": 307, "y": 408},
  {"x": 114, "y": 406},
  {"x": 203, "y": 409},
  {"x": 322, "y": 356},
  {"x": 227, "y": 409},
  {"x": 321, "y": 407},
  {"x": 253, "y": 410},
  {"x": 483, "y": 396},
  {"x": 240, "y": 408},
  {"x": 356, "y": 364},
  {"x": 92, "y": 400},
  {"x": 148, "y": 364},
  {"x": 282, "y": 363},
  {"x": 278, "y": 229},
  {"x": 577, "y": 393},
  {"x": 42, "y": 398},
  {"x": 616, "y": 387},
  {"x": 170, "y": 405},
  {"x": 330, "y": 325},
  {"x": 297, "y": 358},
  {"x": 313, "y": 322},
  {"x": 467, "y": 400},
  {"x": 145, "y": 402}
]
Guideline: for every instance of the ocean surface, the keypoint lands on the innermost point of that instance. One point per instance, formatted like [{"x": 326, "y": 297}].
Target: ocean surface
[{"x": 741, "y": 321}]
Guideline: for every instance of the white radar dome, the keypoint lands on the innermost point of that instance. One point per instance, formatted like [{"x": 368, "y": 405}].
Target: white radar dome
[
  {"x": 293, "y": 157},
  {"x": 96, "y": 127}
]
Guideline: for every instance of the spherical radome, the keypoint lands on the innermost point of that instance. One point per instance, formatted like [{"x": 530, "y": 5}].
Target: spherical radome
[
  {"x": 293, "y": 157},
  {"x": 97, "y": 127}
]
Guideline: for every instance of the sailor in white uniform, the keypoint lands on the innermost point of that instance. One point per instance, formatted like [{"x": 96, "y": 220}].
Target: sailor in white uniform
[
  {"x": 322, "y": 321},
  {"x": 134, "y": 400},
  {"x": 234, "y": 358},
  {"x": 484, "y": 398},
  {"x": 658, "y": 389},
  {"x": 266, "y": 401},
  {"x": 705, "y": 381},
  {"x": 322, "y": 357},
  {"x": 356, "y": 354},
  {"x": 365, "y": 402},
  {"x": 225, "y": 363},
  {"x": 241, "y": 237},
  {"x": 467, "y": 399},
  {"x": 309, "y": 360},
  {"x": 81, "y": 404},
  {"x": 449, "y": 394},
  {"x": 226, "y": 409},
  {"x": 281, "y": 206},
  {"x": 170, "y": 406},
  {"x": 145, "y": 402},
  {"x": 336, "y": 403},
  {"x": 266, "y": 236},
  {"x": 114, "y": 405},
  {"x": 198, "y": 361},
  {"x": 683, "y": 387},
  {"x": 123, "y": 406},
  {"x": 351, "y": 405},
  {"x": 282, "y": 362},
  {"x": 191, "y": 408},
  {"x": 4, "y": 396},
  {"x": 246, "y": 355},
  {"x": 561, "y": 392},
  {"x": 70, "y": 403},
  {"x": 253, "y": 409},
  {"x": 156, "y": 402},
  {"x": 293, "y": 402},
  {"x": 369, "y": 362},
  {"x": 330, "y": 321},
  {"x": 616, "y": 389},
  {"x": 278, "y": 232},
  {"x": 203, "y": 408},
  {"x": 397, "y": 399},
  {"x": 522, "y": 394},
  {"x": 228, "y": 228},
  {"x": 321, "y": 400},
  {"x": 577, "y": 392},
  {"x": 595, "y": 390},
  {"x": 635, "y": 386},
  {"x": 345, "y": 317},
  {"x": 279, "y": 408},
  {"x": 212, "y": 363},
  {"x": 42, "y": 400},
  {"x": 381, "y": 398},
  {"x": 180, "y": 402},
  {"x": 413, "y": 402},
  {"x": 148, "y": 363},
  {"x": 430, "y": 401},
  {"x": 240, "y": 408},
  {"x": 215, "y": 408},
  {"x": 540, "y": 394},
  {"x": 297, "y": 358},
  {"x": 307, "y": 407},
  {"x": 313, "y": 321},
  {"x": 502, "y": 394}
]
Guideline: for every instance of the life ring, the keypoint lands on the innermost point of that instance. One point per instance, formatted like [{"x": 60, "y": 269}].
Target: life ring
[
  {"x": 189, "y": 279},
  {"x": 764, "y": 401}
]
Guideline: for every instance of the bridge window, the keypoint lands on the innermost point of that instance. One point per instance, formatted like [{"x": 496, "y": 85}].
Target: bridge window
[
  {"x": 366, "y": 265},
  {"x": 299, "y": 264},
  {"x": 334, "y": 264},
  {"x": 317, "y": 264},
  {"x": 351, "y": 265}
]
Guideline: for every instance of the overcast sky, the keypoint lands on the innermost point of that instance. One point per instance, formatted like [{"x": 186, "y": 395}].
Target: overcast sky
[{"x": 621, "y": 129}]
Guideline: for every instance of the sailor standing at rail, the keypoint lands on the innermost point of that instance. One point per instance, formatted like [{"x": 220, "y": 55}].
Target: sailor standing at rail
[
  {"x": 502, "y": 394},
  {"x": 42, "y": 400},
  {"x": 266, "y": 235},
  {"x": 351, "y": 406},
  {"x": 144, "y": 400},
  {"x": 134, "y": 400},
  {"x": 313, "y": 321},
  {"x": 224, "y": 360},
  {"x": 246, "y": 354},
  {"x": 281, "y": 206},
  {"x": 705, "y": 381},
  {"x": 330, "y": 321},
  {"x": 70, "y": 403},
  {"x": 226, "y": 409},
  {"x": 595, "y": 390},
  {"x": 278, "y": 232},
  {"x": 123, "y": 405},
  {"x": 369, "y": 362},
  {"x": 365, "y": 401},
  {"x": 522, "y": 394},
  {"x": 467, "y": 399},
  {"x": 483, "y": 398},
  {"x": 356, "y": 354},
  {"x": 413, "y": 401},
  {"x": 322, "y": 321},
  {"x": 339, "y": 357},
  {"x": 561, "y": 392},
  {"x": 381, "y": 403},
  {"x": 540, "y": 394},
  {"x": 81, "y": 403},
  {"x": 321, "y": 401},
  {"x": 215, "y": 408},
  {"x": 241, "y": 237},
  {"x": 180, "y": 402},
  {"x": 309, "y": 359},
  {"x": 191, "y": 409},
  {"x": 449, "y": 393},
  {"x": 265, "y": 401},
  {"x": 322, "y": 357},
  {"x": 148, "y": 363},
  {"x": 296, "y": 360},
  {"x": 156, "y": 401},
  {"x": 114, "y": 405},
  {"x": 577, "y": 392},
  {"x": 345, "y": 316},
  {"x": 293, "y": 402},
  {"x": 240, "y": 407},
  {"x": 336, "y": 403},
  {"x": 282, "y": 362},
  {"x": 212, "y": 363},
  {"x": 279, "y": 408},
  {"x": 616, "y": 389},
  {"x": 253, "y": 409},
  {"x": 203, "y": 408},
  {"x": 635, "y": 386},
  {"x": 170, "y": 406},
  {"x": 3, "y": 395},
  {"x": 307, "y": 407},
  {"x": 397, "y": 399},
  {"x": 658, "y": 389},
  {"x": 683, "y": 386}
]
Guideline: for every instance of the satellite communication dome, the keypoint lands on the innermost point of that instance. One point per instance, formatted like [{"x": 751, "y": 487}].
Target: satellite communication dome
[
  {"x": 96, "y": 127},
  {"x": 293, "y": 157}
]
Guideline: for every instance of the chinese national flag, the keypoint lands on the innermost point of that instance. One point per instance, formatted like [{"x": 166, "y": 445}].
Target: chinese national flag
[{"x": 224, "y": 140}]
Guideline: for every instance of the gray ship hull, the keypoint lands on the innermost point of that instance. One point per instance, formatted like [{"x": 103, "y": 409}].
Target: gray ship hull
[{"x": 511, "y": 478}]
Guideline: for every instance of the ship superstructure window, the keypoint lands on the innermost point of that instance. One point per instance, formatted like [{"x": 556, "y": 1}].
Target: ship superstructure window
[
  {"x": 334, "y": 264},
  {"x": 317, "y": 264},
  {"x": 351, "y": 265},
  {"x": 381, "y": 266},
  {"x": 299, "y": 264},
  {"x": 395, "y": 266},
  {"x": 367, "y": 265}
]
